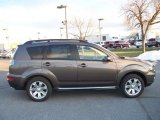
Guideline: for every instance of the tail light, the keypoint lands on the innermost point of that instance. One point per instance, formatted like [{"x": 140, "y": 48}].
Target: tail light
[{"x": 10, "y": 78}]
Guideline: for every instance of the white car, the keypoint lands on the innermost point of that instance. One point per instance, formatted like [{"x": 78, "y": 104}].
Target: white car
[
  {"x": 6, "y": 54},
  {"x": 100, "y": 43},
  {"x": 138, "y": 43}
]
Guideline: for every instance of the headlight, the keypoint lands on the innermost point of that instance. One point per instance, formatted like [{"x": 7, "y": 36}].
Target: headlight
[{"x": 150, "y": 68}]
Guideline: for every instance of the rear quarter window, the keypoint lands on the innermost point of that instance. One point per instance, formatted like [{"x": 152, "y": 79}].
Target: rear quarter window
[{"x": 35, "y": 52}]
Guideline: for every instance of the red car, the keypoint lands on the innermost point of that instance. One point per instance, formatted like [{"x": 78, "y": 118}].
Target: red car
[
  {"x": 121, "y": 44},
  {"x": 108, "y": 44}
]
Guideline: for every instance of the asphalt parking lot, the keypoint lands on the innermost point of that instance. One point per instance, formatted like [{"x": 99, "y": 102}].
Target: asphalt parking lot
[{"x": 79, "y": 105}]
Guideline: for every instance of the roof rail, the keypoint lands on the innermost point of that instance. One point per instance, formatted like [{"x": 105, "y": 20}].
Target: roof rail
[{"x": 53, "y": 40}]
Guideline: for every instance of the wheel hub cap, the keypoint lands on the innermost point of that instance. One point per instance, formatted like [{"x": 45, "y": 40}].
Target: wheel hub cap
[
  {"x": 133, "y": 86},
  {"x": 38, "y": 90}
]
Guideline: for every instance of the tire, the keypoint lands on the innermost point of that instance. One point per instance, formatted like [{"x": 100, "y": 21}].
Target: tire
[
  {"x": 132, "y": 86},
  {"x": 137, "y": 46},
  {"x": 41, "y": 89}
]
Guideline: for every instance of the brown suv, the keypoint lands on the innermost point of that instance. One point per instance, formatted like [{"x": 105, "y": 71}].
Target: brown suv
[{"x": 41, "y": 66}]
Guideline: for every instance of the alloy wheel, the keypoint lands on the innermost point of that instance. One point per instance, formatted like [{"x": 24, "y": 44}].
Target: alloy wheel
[
  {"x": 38, "y": 90},
  {"x": 133, "y": 86}
]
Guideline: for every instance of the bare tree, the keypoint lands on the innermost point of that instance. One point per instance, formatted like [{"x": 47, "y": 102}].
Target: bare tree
[
  {"x": 142, "y": 14},
  {"x": 81, "y": 28},
  {"x": 134, "y": 35}
]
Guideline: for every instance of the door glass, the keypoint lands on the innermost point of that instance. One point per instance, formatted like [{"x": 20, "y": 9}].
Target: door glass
[
  {"x": 59, "y": 52},
  {"x": 90, "y": 53}
]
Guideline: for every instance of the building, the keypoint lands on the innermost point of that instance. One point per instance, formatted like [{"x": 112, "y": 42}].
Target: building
[{"x": 105, "y": 37}]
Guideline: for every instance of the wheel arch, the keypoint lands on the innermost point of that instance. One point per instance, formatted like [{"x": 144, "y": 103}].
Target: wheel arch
[
  {"x": 51, "y": 81},
  {"x": 134, "y": 72}
]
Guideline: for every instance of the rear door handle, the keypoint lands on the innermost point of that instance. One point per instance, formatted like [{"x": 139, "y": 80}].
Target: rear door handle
[
  {"x": 47, "y": 64},
  {"x": 83, "y": 65}
]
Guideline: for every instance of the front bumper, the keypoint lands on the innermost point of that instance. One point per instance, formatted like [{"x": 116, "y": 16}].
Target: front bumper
[{"x": 150, "y": 77}]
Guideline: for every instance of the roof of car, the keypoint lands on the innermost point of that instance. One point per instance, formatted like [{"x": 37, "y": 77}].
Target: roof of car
[{"x": 45, "y": 41}]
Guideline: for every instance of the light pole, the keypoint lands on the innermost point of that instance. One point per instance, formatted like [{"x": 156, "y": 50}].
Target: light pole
[
  {"x": 100, "y": 34},
  {"x": 65, "y": 21},
  {"x": 7, "y": 36},
  {"x": 38, "y": 35},
  {"x": 61, "y": 28}
]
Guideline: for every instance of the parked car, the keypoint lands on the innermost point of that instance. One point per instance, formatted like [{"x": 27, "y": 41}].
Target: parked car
[
  {"x": 132, "y": 42},
  {"x": 45, "y": 65},
  {"x": 158, "y": 42},
  {"x": 151, "y": 42},
  {"x": 121, "y": 44},
  {"x": 138, "y": 43},
  {"x": 7, "y": 54},
  {"x": 108, "y": 44},
  {"x": 4, "y": 54},
  {"x": 100, "y": 43}
]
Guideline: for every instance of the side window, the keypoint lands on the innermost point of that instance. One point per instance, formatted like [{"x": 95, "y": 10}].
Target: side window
[
  {"x": 59, "y": 52},
  {"x": 35, "y": 52},
  {"x": 90, "y": 53}
]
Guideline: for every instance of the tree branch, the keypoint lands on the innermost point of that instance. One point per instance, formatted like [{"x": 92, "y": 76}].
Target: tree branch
[{"x": 155, "y": 22}]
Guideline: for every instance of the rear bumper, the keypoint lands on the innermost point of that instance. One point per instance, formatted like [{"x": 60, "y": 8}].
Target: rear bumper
[
  {"x": 138, "y": 45},
  {"x": 151, "y": 44},
  {"x": 17, "y": 83}
]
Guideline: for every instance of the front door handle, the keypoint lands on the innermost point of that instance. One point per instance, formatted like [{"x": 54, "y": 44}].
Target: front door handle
[
  {"x": 47, "y": 64},
  {"x": 83, "y": 65}
]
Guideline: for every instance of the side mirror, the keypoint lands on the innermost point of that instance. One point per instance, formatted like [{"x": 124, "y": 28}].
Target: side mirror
[{"x": 107, "y": 59}]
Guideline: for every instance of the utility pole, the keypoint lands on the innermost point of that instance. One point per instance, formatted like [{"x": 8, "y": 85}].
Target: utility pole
[
  {"x": 61, "y": 28},
  {"x": 7, "y": 37},
  {"x": 65, "y": 22},
  {"x": 100, "y": 28}
]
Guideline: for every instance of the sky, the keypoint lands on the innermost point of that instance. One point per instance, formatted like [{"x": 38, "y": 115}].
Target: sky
[{"x": 23, "y": 19}]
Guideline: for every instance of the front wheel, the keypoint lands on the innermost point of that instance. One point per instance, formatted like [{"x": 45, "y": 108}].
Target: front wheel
[
  {"x": 39, "y": 89},
  {"x": 132, "y": 86}
]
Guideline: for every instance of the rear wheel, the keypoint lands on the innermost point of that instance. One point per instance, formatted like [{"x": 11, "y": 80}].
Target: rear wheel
[
  {"x": 132, "y": 86},
  {"x": 39, "y": 89}
]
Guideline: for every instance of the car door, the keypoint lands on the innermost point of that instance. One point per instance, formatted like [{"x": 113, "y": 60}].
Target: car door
[
  {"x": 92, "y": 70},
  {"x": 60, "y": 61}
]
